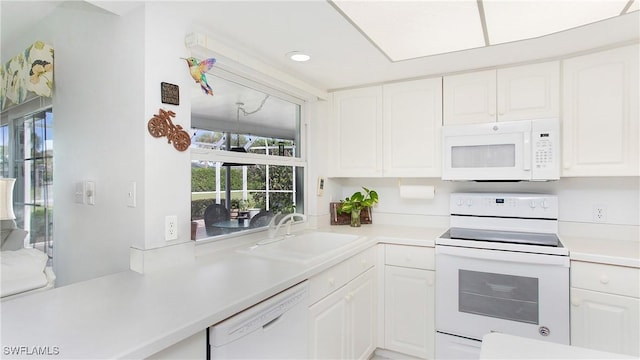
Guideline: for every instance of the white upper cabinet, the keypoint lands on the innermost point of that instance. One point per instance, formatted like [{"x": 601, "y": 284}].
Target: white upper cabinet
[
  {"x": 470, "y": 98},
  {"x": 412, "y": 123},
  {"x": 391, "y": 130},
  {"x": 529, "y": 92},
  {"x": 356, "y": 133},
  {"x": 600, "y": 114},
  {"x": 516, "y": 93}
]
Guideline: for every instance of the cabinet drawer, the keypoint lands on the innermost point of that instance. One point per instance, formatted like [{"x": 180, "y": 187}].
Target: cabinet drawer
[
  {"x": 410, "y": 256},
  {"x": 328, "y": 281},
  {"x": 362, "y": 262},
  {"x": 333, "y": 278},
  {"x": 610, "y": 279}
]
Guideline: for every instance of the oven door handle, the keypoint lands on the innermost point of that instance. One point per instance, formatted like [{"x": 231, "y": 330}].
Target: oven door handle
[{"x": 505, "y": 256}]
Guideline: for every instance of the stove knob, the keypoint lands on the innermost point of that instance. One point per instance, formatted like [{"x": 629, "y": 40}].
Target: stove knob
[
  {"x": 532, "y": 204},
  {"x": 469, "y": 202},
  {"x": 544, "y": 204},
  {"x": 460, "y": 202}
]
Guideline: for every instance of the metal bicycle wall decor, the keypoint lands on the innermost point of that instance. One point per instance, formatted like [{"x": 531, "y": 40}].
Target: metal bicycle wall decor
[{"x": 161, "y": 125}]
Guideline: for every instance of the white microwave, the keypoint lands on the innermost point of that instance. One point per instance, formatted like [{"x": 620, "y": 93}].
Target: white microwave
[{"x": 526, "y": 150}]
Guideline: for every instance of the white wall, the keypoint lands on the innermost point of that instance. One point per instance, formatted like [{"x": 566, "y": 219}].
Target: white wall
[
  {"x": 98, "y": 129},
  {"x": 317, "y": 162},
  {"x": 167, "y": 189},
  {"x": 99, "y": 123}
]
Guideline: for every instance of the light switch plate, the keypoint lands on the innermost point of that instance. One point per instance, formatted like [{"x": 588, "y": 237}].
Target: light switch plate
[
  {"x": 131, "y": 194},
  {"x": 79, "y": 194},
  {"x": 90, "y": 190}
]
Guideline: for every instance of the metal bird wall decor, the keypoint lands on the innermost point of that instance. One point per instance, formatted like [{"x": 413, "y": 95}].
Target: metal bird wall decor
[{"x": 198, "y": 72}]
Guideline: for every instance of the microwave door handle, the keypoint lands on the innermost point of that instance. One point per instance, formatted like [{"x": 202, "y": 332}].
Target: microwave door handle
[{"x": 526, "y": 153}]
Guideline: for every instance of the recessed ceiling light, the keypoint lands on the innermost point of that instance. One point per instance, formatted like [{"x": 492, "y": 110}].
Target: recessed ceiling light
[{"x": 298, "y": 56}]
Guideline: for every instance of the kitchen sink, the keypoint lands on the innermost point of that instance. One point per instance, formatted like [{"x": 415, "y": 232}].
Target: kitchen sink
[{"x": 304, "y": 247}]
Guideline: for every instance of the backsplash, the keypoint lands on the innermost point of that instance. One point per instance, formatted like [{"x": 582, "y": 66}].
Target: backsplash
[{"x": 618, "y": 197}]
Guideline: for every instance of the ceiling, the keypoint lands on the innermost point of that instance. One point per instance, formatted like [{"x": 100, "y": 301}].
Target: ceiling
[
  {"x": 349, "y": 50},
  {"x": 412, "y": 29},
  {"x": 345, "y": 54}
]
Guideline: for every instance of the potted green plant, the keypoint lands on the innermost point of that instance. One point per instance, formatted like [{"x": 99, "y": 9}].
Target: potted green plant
[{"x": 356, "y": 203}]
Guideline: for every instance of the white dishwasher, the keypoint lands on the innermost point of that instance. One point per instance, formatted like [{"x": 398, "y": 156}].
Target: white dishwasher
[{"x": 276, "y": 328}]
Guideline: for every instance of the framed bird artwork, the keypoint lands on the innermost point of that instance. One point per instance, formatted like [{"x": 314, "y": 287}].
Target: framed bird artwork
[{"x": 198, "y": 72}]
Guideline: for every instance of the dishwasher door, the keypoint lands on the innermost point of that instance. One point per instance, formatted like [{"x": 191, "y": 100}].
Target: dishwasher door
[{"x": 276, "y": 328}]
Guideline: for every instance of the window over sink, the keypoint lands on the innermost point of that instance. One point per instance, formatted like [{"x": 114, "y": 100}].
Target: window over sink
[{"x": 246, "y": 160}]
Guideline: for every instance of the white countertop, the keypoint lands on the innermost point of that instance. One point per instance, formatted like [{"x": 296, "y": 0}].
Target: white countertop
[
  {"x": 606, "y": 244},
  {"x": 503, "y": 346},
  {"x": 129, "y": 315}
]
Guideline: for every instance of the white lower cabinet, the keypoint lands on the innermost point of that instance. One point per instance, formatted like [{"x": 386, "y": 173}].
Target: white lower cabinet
[
  {"x": 605, "y": 308},
  {"x": 343, "y": 323},
  {"x": 343, "y": 298},
  {"x": 409, "y": 295}
]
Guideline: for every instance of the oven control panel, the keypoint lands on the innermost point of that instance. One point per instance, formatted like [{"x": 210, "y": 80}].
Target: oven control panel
[{"x": 505, "y": 205}]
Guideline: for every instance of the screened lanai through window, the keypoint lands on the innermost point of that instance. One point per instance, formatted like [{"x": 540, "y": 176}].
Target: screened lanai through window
[{"x": 246, "y": 166}]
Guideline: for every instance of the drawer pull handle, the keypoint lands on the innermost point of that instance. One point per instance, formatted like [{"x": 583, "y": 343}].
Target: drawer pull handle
[{"x": 604, "y": 279}]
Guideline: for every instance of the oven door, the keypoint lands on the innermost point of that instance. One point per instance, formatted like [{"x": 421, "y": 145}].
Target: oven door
[{"x": 479, "y": 291}]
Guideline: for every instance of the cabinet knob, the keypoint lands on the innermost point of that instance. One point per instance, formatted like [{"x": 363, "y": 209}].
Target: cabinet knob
[
  {"x": 576, "y": 302},
  {"x": 430, "y": 283},
  {"x": 604, "y": 279},
  {"x": 332, "y": 281},
  {"x": 348, "y": 297},
  {"x": 363, "y": 262}
]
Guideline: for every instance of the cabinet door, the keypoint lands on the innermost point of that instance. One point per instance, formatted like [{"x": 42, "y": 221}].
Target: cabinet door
[
  {"x": 605, "y": 322},
  {"x": 470, "y": 98},
  {"x": 529, "y": 92},
  {"x": 412, "y": 123},
  {"x": 362, "y": 315},
  {"x": 329, "y": 331},
  {"x": 600, "y": 114},
  {"x": 409, "y": 311},
  {"x": 356, "y": 133}
]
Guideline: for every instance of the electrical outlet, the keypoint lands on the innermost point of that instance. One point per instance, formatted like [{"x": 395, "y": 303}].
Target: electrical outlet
[
  {"x": 171, "y": 227},
  {"x": 599, "y": 213}
]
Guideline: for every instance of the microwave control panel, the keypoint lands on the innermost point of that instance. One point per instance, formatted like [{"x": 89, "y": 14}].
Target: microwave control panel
[{"x": 545, "y": 152}]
